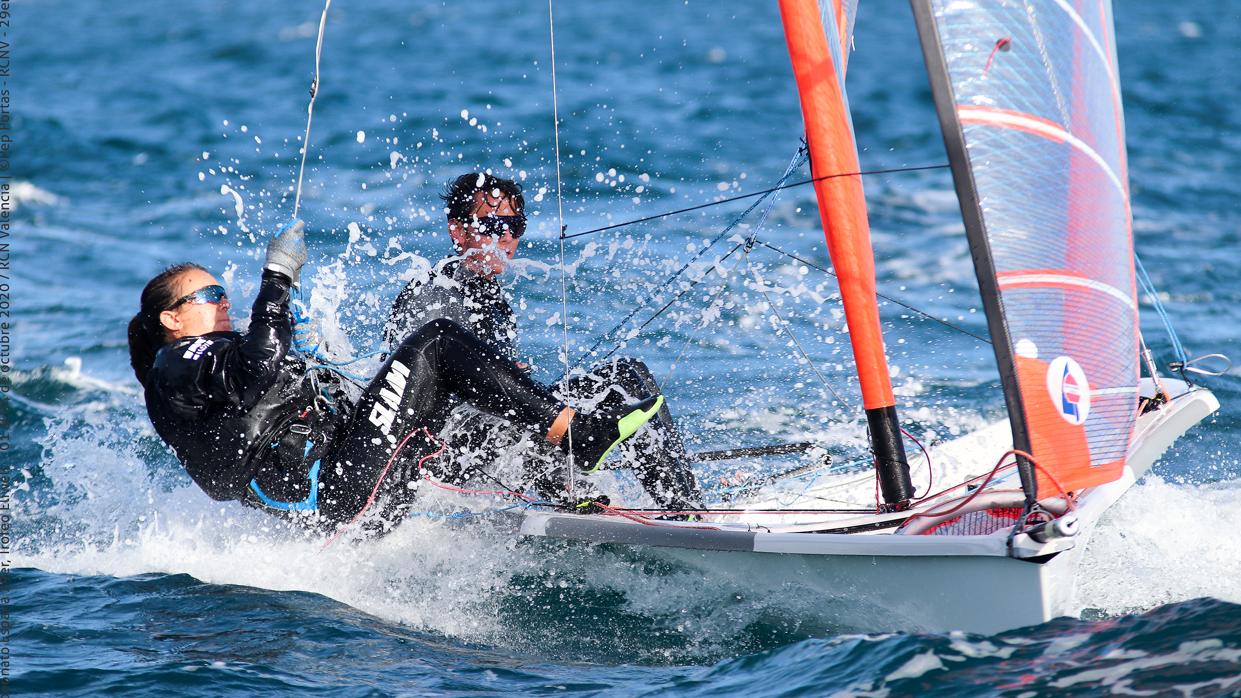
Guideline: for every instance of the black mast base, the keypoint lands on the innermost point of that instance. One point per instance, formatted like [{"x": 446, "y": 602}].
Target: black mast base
[{"x": 890, "y": 462}]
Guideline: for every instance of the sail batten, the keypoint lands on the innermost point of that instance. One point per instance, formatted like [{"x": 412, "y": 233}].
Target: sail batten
[
  {"x": 1029, "y": 102},
  {"x": 1005, "y": 118},
  {"x": 1048, "y": 278}
]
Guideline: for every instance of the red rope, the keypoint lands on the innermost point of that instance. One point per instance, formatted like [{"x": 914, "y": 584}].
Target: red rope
[
  {"x": 632, "y": 517},
  {"x": 461, "y": 490},
  {"x": 930, "y": 473},
  {"x": 973, "y": 494},
  {"x": 648, "y": 522},
  {"x": 384, "y": 473},
  {"x": 967, "y": 482},
  {"x": 663, "y": 512},
  {"x": 1014, "y": 452},
  {"x": 1067, "y": 497}
]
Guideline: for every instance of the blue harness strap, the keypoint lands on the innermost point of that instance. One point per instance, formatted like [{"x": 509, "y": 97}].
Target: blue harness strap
[{"x": 310, "y": 503}]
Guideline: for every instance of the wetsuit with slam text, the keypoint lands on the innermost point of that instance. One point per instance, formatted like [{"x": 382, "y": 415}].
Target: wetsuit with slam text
[{"x": 237, "y": 409}]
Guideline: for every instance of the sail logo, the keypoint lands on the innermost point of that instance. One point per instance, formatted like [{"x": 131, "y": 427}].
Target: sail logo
[{"x": 1069, "y": 390}]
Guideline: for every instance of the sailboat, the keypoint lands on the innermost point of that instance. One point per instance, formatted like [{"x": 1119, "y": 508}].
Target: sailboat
[{"x": 1028, "y": 98}]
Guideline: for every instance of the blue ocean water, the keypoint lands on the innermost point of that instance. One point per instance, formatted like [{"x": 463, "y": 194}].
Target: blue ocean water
[{"x": 149, "y": 133}]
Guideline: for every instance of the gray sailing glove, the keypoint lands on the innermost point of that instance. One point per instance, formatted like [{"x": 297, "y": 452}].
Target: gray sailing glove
[{"x": 286, "y": 253}]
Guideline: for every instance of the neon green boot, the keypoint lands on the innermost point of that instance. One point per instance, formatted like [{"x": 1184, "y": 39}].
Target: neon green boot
[{"x": 595, "y": 435}]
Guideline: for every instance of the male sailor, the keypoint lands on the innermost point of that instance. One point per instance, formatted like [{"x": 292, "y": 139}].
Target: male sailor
[{"x": 485, "y": 220}]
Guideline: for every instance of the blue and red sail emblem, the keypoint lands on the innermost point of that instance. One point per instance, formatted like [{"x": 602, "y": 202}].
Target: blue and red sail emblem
[
  {"x": 1070, "y": 393},
  {"x": 1070, "y": 396}
]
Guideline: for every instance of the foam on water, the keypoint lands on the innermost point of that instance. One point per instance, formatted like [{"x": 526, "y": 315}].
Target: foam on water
[
  {"x": 473, "y": 581},
  {"x": 1164, "y": 542},
  {"x": 24, "y": 193}
]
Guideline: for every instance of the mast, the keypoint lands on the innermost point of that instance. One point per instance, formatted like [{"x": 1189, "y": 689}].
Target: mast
[{"x": 842, "y": 208}]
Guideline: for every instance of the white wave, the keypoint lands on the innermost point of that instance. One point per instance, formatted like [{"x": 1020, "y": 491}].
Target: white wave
[
  {"x": 426, "y": 574},
  {"x": 71, "y": 373},
  {"x": 23, "y": 193},
  {"x": 120, "y": 516},
  {"x": 1163, "y": 543}
]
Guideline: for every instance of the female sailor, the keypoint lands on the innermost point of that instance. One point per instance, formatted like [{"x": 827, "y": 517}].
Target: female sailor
[{"x": 250, "y": 421}]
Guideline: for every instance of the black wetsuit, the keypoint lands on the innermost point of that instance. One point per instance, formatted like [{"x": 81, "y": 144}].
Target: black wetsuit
[
  {"x": 247, "y": 420},
  {"x": 481, "y": 304},
  {"x": 452, "y": 292}
]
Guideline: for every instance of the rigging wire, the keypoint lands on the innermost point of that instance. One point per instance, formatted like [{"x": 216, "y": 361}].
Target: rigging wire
[
  {"x": 693, "y": 333},
  {"x": 310, "y": 108},
  {"x": 725, "y": 512},
  {"x": 1178, "y": 349},
  {"x": 1181, "y": 362},
  {"x": 890, "y": 299},
  {"x": 799, "y": 158},
  {"x": 758, "y": 286},
  {"x": 751, "y": 195},
  {"x": 564, "y": 288},
  {"x": 653, "y": 316},
  {"x": 779, "y": 186}
]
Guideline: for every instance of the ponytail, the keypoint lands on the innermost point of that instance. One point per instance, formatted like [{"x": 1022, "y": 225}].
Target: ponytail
[{"x": 146, "y": 334}]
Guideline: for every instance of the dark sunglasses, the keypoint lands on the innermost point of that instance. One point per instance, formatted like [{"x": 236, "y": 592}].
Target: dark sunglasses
[
  {"x": 207, "y": 294},
  {"x": 497, "y": 226}
]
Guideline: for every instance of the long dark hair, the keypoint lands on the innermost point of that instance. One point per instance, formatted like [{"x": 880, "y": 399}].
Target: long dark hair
[{"x": 146, "y": 334}]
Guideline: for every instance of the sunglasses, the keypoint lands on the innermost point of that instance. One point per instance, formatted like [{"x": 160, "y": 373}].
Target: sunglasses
[
  {"x": 206, "y": 295},
  {"x": 497, "y": 226}
]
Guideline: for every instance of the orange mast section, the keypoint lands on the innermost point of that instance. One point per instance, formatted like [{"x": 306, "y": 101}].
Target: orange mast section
[{"x": 842, "y": 204}]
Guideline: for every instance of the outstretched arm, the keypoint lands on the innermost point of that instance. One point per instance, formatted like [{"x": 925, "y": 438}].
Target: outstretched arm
[{"x": 244, "y": 370}]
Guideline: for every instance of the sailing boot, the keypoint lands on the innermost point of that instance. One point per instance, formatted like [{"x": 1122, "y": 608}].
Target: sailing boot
[{"x": 594, "y": 435}]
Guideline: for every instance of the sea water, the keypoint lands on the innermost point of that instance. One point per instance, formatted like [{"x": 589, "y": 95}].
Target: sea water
[{"x": 151, "y": 133}]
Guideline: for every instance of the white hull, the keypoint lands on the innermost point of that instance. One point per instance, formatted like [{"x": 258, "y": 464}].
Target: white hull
[
  {"x": 895, "y": 593},
  {"x": 876, "y": 581}
]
